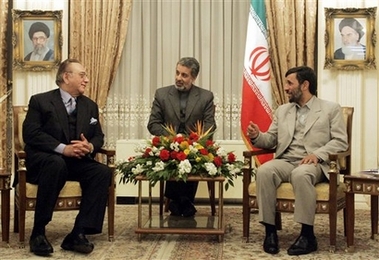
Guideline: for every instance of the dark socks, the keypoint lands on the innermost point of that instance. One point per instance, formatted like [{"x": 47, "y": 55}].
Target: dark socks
[
  {"x": 269, "y": 228},
  {"x": 37, "y": 231},
  {"x": 77, "y": 230},
  {"x": 307, "y": 231}
]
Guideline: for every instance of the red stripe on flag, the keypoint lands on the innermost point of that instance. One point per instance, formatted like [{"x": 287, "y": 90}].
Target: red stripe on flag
[{"x": 253, "y": 110}]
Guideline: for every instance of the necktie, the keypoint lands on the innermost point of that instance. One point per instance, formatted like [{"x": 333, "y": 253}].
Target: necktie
[{"x": 71, "y": 105}]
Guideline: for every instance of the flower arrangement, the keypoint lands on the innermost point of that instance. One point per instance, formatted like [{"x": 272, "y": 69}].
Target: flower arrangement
[{"x": 177, "y": 156}]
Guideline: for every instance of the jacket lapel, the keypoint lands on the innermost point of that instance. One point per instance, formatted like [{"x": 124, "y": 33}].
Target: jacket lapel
[{"x": 193, "y": 98}]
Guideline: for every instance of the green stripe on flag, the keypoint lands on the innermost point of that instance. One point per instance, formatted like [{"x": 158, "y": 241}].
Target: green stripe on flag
[{"x": 260, "y": 9}]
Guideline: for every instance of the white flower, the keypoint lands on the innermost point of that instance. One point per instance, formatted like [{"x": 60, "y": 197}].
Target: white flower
[
  {"x": 175, "y": 146},
  {"x": 222, "y": 152},
  {"x": 138, "y": 169},
  {"x": 184, "y": 167},
  {"x": 232, "y": 169},
  {"x": 159, "y": 166},
  {"x": 211, "y": 168}
]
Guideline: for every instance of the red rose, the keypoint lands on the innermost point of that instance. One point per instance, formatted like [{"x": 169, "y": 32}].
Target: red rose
[
  {"x": 147, "y": 151},
  {"x": 174, "y": 155},
  {"x": 179, "y": 139},
  {"x": 164, "y": 155},
  {"x": 209, "y": 143},
  {"x": 181, "y": 156},
  {"x": 217, "y": 161},
  {"x": 194, "y": 136},
  {"x": 203, "y": 151},
  {"x": 156, "y": 140},
  {"x": 231, "y": 157}
]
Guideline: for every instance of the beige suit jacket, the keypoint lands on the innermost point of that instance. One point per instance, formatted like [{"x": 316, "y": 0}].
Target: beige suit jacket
[{"x": 325, "y": 130}]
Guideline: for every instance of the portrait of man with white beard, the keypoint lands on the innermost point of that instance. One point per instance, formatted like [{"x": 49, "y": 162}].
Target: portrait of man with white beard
[{"x": 351, "y": 32}]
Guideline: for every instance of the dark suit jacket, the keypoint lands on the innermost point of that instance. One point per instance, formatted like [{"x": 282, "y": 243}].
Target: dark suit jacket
[
  {"x": 166, "y": 109},
  {"x": 49, "y": 56},
  {"x": 46, "y": 125}
]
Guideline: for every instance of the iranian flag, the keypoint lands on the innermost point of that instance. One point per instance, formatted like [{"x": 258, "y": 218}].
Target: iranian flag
[{"x": 256, "y": 89}]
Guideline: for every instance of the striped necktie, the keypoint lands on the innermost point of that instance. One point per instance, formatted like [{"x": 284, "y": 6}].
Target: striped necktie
[{"x": 71, "y": 105}]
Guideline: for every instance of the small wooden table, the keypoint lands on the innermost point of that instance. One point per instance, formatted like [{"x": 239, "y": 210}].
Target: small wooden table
[
  {"x": 166, "y": 224},
  {"x": 365, "y": 182}
]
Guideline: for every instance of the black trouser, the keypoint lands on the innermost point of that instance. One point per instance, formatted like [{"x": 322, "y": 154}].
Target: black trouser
[
  {"x": 52, "y": 171},
  {"x": 175, "y": 190}
]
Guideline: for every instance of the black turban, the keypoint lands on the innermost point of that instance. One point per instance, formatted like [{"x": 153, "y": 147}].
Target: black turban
[
  {"x": 39, "y": 27},
  {"x": 353, "y": 23}
]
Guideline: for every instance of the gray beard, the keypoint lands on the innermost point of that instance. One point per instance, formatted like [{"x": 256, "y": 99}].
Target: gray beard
[{"x": 40, "y": 50}]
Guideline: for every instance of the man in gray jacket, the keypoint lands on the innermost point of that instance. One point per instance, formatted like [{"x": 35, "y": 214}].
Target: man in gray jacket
[
  {"x": 181, "y": 106},
  {"x": 304, "y": 131}
]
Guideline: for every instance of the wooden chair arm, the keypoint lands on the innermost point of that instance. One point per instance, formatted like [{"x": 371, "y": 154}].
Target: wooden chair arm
[
  {"x": 258, "y": 152},
  {"x": 107, "y": 152}
]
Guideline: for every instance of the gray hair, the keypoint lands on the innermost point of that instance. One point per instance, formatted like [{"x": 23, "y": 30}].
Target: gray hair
[{"x": 190, "y": 63}]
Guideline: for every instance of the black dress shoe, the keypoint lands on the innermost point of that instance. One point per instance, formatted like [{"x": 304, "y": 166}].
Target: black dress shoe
[
  {"x": 39, "y": 245},
  {"x": 78, "y": 243},
  {"x": 174, "y": 208},
  {"x": 303, "y": 245},
  {"x": 188, "y": 209},
  {"x": 271, "y": 245}
]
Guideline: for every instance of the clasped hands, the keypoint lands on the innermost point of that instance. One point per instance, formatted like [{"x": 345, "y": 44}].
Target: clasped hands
[{"x": 78, "y": 148}]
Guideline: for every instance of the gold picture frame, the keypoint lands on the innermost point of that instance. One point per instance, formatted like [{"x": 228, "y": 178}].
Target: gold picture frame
[
  {"x": 37, "y": 39},
  {"x": 344, "y": 26}
]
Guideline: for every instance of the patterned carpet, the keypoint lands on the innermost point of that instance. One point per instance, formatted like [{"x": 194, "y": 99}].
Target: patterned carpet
[{"x": 177, "y": 247}]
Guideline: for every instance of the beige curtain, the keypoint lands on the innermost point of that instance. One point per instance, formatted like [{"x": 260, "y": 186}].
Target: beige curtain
[
  {"x": 159, "y": 34},
  {"x": 97, "y": 36},
  {"x": 3, "y": 83},
  {"x": 292, "y": 39}
]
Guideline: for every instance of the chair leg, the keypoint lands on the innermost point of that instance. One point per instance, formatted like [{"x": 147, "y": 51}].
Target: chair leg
[
  {"x": 21, "y": 220},
  {"x": 111, "y": 212},
  {"x": 332, "y": 230},
  {"x": 246, "y": 222},
  {"x": 15, "y": 218},
  {"x": 278, "y": 220},
  {"x": 211, "y": 191}
]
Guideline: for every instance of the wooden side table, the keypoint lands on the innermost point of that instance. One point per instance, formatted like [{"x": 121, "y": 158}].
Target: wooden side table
[
  {"x": 361, "y": 183},
  {"x": 166, "y": 224},
  {"x": 5, "y": 179}
]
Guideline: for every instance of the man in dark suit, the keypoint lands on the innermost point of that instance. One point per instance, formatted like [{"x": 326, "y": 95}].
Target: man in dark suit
[
  {"x": 182, "y": 105},
  {"x": 60, "y": 142}
]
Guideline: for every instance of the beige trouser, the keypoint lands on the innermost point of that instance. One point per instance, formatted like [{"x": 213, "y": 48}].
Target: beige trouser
[{"x": 303, "y": 179}]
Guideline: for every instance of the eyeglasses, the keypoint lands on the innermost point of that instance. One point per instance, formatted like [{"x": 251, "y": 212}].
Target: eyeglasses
[
  {"x": 81, "y": 74},
  {"x": 40, "y": 38}
]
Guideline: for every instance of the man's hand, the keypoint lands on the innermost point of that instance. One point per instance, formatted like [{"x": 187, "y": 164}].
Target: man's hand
[
  {"x": 309, "y": 159},
  {"x": 78, "y": 148},
  {"x": 252, "y": 130}
]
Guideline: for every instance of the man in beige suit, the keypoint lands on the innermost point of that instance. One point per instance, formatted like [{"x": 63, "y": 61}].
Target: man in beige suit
[{"x": 304, "y": 131}]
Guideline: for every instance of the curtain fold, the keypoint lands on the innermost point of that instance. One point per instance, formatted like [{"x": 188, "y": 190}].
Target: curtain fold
[
  {"x": 97, "y": 35},
  {"x": 3, "y": 83},
  {"x": 292, "y": 39}
]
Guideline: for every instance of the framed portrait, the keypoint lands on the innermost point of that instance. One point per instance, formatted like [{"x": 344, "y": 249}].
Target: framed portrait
[
  {"x": 37, "y": 39},
  {"x": 350, "y": 38}
]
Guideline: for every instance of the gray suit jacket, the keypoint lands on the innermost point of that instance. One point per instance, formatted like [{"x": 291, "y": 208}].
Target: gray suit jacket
[
  {"x": 325, "y": 130},
  {"x": 166, "y": 109}
]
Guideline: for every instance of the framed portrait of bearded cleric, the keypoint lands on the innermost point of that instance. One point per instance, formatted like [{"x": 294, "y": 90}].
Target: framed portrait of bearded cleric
[
  {"x": 37, "y": 39},
  {"x": 350, "y": 38}
]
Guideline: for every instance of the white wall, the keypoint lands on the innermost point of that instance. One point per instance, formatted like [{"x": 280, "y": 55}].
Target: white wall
[{"x": 352, "y": 88}]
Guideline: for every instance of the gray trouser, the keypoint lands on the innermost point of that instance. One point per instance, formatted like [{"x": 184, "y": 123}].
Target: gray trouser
[{"x": 303, "y": 179}]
